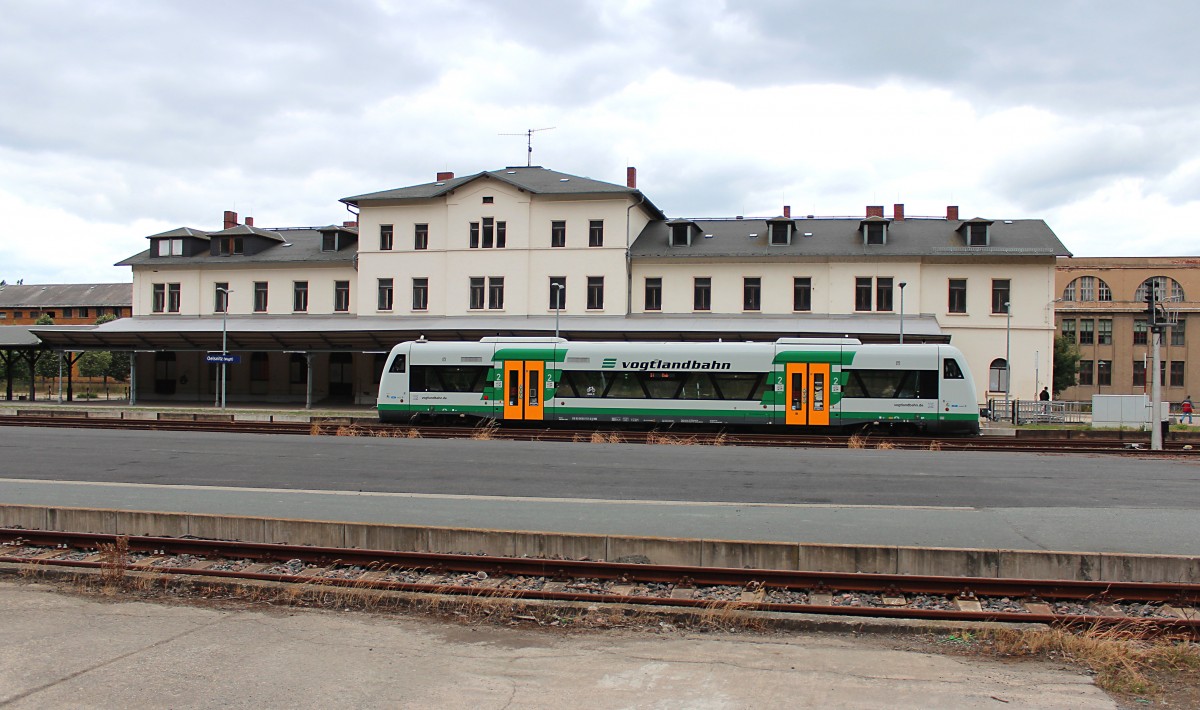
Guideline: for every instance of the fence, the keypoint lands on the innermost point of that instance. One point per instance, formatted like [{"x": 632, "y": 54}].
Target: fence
[{"x": 1021, "y": 411}]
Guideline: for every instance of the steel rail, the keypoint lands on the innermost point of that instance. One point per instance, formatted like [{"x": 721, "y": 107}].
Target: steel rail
[
  {"x": 1040, "y": 445},
  {"x": 380, "y": 561}
]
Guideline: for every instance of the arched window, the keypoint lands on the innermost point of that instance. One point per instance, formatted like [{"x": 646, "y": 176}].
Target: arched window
[
  {"x": 1165, "y": 289},
  {"x": 1087, "y": 288},
  {"x": 998, "y": 376}
]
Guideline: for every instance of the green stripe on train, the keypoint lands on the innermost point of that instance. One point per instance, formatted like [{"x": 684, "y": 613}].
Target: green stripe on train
[
  {"x": 543, "y": 354},
  {"x": 835, "y": 357}
]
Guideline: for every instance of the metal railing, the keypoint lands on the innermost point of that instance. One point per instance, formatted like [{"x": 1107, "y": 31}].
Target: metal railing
[{"x": 1023, "y": 411}]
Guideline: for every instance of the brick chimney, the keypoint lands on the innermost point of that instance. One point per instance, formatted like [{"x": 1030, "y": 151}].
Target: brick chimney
[
  {"x": 631, "y": 178},
  {"x": 898, "y": 212},
  {"x": 443, "y": 177},
  {"x": 787, "y": 211},
  {"x": 249, "y": 221},
  {"x": 352, "y": 223},
  {"x": 230, "y": 219},
  {"x": 952, "y": 213},
  {"x": 874, "y": 210}
]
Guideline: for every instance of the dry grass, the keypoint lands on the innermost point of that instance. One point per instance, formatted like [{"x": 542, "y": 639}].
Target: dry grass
[
  {"x": 315, "y": 430},
  {"x": 114, "y": 557},
  {"x": 1122, "y": 660},
  {"x": 655, "y": 437},
  {"x": 858, "y": 441},
  {"x": 885, "y": 446},
  {"x": 935, "y": 446},
  {"x": 610, "y": 437},
  {"x": 485, "y": 431}
]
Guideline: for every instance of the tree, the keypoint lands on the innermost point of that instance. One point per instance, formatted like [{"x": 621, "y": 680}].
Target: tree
[
  {"x": 95, "y": 363},
  {"x": 118, "y": 362},
  {"x": 1066, "y": 364}
]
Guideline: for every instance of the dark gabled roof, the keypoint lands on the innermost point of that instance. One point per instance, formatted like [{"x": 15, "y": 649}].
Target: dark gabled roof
[
  {"x": 295, "y": 245},
  {"x": 842, "y": 237},
  {"x": 535, "y": 179},
  {"x": 245, "y": 230},
  {"x": 65, "y": 295},
  {"x": 182, "y": 232}
]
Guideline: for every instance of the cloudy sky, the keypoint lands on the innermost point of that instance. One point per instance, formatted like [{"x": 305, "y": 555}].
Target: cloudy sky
[{"x": 125, "y": 118}]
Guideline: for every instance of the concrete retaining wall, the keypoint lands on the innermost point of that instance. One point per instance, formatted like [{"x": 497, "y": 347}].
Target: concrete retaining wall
[{"x": 1026, "y": 564}]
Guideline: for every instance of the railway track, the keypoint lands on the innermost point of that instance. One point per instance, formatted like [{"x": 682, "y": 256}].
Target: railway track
[
  {"x": 340, "y": 427},
  {"x": 1143, "y": 607}
]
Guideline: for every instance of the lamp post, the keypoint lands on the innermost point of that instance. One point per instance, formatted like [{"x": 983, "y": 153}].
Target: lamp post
[
  {"x": 224, "y": 338},
  {"x": 902, "y": 285},
  {"x": 1007, "y": 351},
  {"x": 557, "y": 288}
]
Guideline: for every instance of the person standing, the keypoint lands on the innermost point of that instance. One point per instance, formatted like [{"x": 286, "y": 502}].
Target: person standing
[
  {"x": 1186, "y": 408},
  {"x": 1045, "y": 395}
]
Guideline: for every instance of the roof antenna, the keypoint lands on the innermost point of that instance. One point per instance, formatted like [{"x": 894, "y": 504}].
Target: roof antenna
[{"x": 529, "y": 141}]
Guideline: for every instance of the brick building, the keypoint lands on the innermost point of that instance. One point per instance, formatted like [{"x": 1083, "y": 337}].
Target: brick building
[{"x": 67, "y": 304}]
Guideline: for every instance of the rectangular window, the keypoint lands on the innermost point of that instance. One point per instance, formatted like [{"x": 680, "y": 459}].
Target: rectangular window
[
  {"x": 1177, "y": 373},
  {"x": 300, "y": 296},
  {"x": 420, "y": 236},
  {"x": 420, "y": 294},
  {"x": 1104, "y": 332},
  {"x": 595, "y": 293},
  {"x": 752, "y": 293},
  {"x": 558, "y": 292},
  {"x": 1104, "y": 373},
  {"x": 1179, "y": 332},
  {"x": 221, "y": 297},
  {"x": 260, "y": 296},
  {"x": 1085, "y": 372},
  {"x": 501, "y": 234},
  {"x": 385, "y": 294},
  {"x": 1087, "y": 288},
  {"x": 883, "y": 293},
  {"x": 558, "y": 233},
  {"x": 160, "y": 299},
  {"x": 172, "y": 298},
  {"x": 1139, "y": 373},
  {"x": 473, "y": 241},
  {"x": 957, "y": 302},
  {"x": 1140, "y": 328},
  {"x": 341, "y": 296},
  {"x": 654, "y": 294},
  {"x": 1000, "y": 295},
  {"x": 477, "y": 292},
  {"x": 802, "y": 293},
  {"x": 875, "y": 233},
  {"x": 702, "y": 294},
  {"x": 1068, "y": 330},
  {"x": 1086, "y": 331},
  {"x": 83, "y": 313},
  {"x": 495, "y": 292},
  {"x": 596, "y": 233},
  {"x": 329, "y": 241},
  {"x": 489, "y": 233},
  {"x": 978, "y": 235},
  {"x": 862, "y": 293},
  {"x": 385, "y": 237}
]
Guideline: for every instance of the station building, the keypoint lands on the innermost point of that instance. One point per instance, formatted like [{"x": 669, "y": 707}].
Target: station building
[
  {"x": 67, "y": 304},
  {"x": 1101, "y": 307},
  {"x": 522, "y": 251}
]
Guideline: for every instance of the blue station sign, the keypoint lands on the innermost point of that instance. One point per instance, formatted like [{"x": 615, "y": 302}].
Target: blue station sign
[{"x": 223, "y": 357}]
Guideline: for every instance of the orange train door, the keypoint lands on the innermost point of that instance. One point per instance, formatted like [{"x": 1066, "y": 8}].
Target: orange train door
[
  {"x": 523, "y": 389},
  {"x": 806, "y": 391}
]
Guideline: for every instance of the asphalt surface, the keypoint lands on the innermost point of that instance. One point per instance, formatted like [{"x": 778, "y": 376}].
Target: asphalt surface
[
  {"x": 983, "y": 500},
  {"x": 600, "y": 471}
]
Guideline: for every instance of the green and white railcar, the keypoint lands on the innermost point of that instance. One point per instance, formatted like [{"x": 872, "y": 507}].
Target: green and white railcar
[{"x": 792, "y": 382}]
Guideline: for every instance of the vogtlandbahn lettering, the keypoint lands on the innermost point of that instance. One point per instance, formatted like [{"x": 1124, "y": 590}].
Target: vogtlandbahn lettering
[{"x": 668, "y": 365}]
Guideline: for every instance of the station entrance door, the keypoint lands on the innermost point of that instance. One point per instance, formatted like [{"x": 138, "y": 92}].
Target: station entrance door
[
  {"x": 523, "y": 389},
  {"x": 806, "y": 390}
]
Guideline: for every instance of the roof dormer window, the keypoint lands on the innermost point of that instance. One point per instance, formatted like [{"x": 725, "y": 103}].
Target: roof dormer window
[
  {"x": 169, "y": 247},
  {"x": 779, "y": 232},
  {"x": 977, "y": 232},
  {"x": 681, "y": 233},
  {"x": 329, "y": 241},
  {"x": 874, "y": 231}
]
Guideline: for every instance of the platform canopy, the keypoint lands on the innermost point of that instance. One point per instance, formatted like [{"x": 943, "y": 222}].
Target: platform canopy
[{"x": 351, "y": 333}]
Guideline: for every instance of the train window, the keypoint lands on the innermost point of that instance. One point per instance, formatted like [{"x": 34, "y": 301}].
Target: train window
[
  {"x": 398, "y": 363},
  {"x": 663, "y": 385},
  {"x": 951, "y": 370},
  {"x": 626, "y": 385},
  {"x": 514, "y": 386},
  {"x": 453, "y": 378},
  {"x": 698, "y": 385},
  {"x": 582, "y": 383},
  {"x": 739, "y": 385},
  {"x": 818, "y": 397},
  {"x": 892, "y": 384}
]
